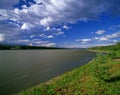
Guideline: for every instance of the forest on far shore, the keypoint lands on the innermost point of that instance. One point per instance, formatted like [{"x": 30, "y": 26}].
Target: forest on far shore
[{"x": 19, "y": 47}]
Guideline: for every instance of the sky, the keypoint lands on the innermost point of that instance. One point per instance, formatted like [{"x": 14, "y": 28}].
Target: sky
[{"x": 60, "y": 23}]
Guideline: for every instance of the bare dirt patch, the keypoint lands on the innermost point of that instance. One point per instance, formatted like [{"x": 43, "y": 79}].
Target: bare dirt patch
[{"x": 117, "y": 59}]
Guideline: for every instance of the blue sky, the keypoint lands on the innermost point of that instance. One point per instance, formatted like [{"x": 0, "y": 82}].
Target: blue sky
[{"x": 60, "y": 23}]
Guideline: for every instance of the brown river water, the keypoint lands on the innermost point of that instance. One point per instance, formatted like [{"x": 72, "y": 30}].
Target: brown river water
[{"x": 21, "y": 69}]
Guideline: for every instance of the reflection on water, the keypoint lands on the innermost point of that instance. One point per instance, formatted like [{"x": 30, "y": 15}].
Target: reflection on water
[{"x": 22, "y": 69}]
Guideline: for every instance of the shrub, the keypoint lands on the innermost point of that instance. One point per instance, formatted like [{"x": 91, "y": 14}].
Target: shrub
[
  {"x": 112, "y": 54},
  {"x": 100, "y": 69}
]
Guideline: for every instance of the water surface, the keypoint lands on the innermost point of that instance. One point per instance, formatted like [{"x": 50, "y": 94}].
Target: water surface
[{"x": 20, "y": 69}]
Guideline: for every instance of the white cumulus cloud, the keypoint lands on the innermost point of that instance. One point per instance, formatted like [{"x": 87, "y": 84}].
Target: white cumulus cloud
[
  {"x": 109, "y": 37},
  {"x": 50, "y": 36},
  {"x": 84, "y": 41},
  {"x": 1, "y": 37},
  {"x": 46, "y": 21},
  {"x": 65, "y": 27},
  {"x": 100, "y": 32},
  {"x": 26, "y": 26}
]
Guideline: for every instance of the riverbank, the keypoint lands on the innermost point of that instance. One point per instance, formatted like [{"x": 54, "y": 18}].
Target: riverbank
[
  {"x": 98, "y": 77},
  {"x": 98, "y": 51}
]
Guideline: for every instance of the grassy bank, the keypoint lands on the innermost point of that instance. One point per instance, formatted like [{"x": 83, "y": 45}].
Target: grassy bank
[
  {"x": 108, "y": 49},
  {"x": 99, "y": 77}
]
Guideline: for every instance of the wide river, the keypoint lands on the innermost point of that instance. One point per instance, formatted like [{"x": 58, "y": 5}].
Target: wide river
[{"x": 21, "y": 69}]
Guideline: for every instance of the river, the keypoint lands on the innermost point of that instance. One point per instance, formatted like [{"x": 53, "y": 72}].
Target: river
[{"x": 21, "y": 69}]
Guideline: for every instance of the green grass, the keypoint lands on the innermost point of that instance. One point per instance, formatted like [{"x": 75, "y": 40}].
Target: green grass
[
  {"x": 99, "y": 77},
  {"x": 117, "y": 53},
  {"x": 107, "y": 48}
]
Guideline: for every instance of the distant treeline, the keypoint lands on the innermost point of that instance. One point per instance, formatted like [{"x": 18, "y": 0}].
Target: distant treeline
[{"x": 18, "y": 47}]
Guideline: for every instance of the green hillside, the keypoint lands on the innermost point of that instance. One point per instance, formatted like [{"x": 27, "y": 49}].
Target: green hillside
[
  {"x": 108, "y": 48},
  {"x": 114, "y": 50}
]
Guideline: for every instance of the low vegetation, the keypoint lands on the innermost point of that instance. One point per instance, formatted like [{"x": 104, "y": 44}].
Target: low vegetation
[
  {"x": 99, "y": 77},
  {"x": 112, "y": 50}
]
